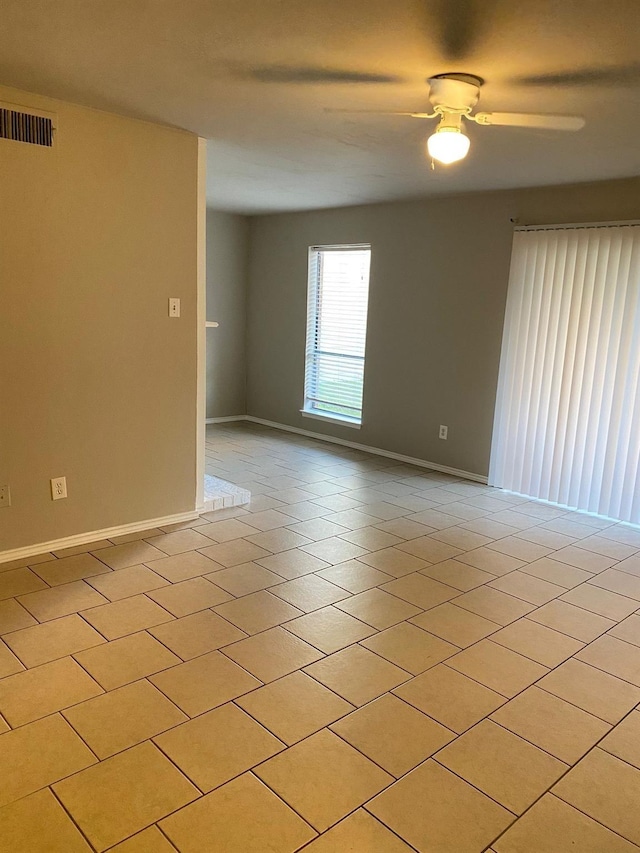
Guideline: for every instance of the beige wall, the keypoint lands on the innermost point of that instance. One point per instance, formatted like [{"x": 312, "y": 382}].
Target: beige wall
[
  {"x": 96, "y": 382},
  {"x": 439, "y": 274},
  {"x": 227, "y": 263}
]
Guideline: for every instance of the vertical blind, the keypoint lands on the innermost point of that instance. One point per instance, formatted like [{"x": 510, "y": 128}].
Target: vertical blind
[
  {"x": 338, "y": 295},
  {"x": 567, "y": 421}
]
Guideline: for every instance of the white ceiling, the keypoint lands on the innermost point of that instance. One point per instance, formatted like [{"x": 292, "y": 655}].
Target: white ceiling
[{"x": 213, "y": 67}]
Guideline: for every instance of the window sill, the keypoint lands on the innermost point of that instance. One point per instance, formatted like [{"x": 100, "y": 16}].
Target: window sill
[{"x": 331, "y": 419}]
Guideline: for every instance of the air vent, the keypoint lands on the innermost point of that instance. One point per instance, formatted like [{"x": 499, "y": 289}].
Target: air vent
[{"x": 20, "y": 126}]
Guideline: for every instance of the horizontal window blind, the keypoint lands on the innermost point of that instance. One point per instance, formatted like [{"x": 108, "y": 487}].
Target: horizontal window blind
[
  {"x": 338, "y": 294},
  {"x": 567, "y": 422}
]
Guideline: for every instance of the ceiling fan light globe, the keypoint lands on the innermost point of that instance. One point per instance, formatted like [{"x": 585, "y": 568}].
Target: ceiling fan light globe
[{"x": 448, "y": 145}]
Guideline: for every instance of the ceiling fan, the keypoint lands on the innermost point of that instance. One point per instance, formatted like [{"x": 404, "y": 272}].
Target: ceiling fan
[{"x": 453, "y": 97}]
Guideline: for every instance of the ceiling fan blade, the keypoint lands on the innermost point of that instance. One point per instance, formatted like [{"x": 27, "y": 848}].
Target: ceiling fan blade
[
  {"x": 380, "y": 112},
  {"x": 311, "y": 74},
  {"x": 612, "y": 75},
  {"x": 545, "y": 122}
]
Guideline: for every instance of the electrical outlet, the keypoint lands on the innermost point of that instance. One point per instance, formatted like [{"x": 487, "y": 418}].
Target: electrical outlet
[
  {"x": 5, "y": 496},
  {"x": 174, "y": 307},
  {"x": 58, "y": 488},
  {"x": 444, "y": 431}
]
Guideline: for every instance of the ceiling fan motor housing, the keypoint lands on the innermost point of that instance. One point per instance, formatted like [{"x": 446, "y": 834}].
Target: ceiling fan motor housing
[{"x": 460, "y": 92}]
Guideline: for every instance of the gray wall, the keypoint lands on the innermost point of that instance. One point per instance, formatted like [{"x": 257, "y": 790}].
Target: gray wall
[
  {"x": 439, "y": 275},
  {"x": 227, "y": 267},
  {"x": 97, "y": 383}
]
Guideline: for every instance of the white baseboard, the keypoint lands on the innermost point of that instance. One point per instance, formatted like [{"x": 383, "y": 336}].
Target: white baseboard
[
  {"x": 93, "y": 536},
  {"x": 377, "y": 451},
  {"x": 226, "y": 420}
]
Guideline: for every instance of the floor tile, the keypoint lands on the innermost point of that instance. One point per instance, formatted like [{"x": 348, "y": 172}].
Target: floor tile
[
  {"x": 123, "y": 583},
  {"x": 577, "y": 556},
  {"x": 358, "y": 832},
  {"x": 257, "y": 612},
  {"x": 601, "y": 601},
  {"x": 204, "y": 683},
  {"x": 498, "y": 668},
  {"x": 277, "y": 540},
  {"x": 39, "y": 823},
  {"x": 183, "y": 567},
  {"x": 494, "y": 605},
  {"x": 371, "y": 538},
  {"x": 624, "y": 740},
  {"x": 502, "y": 765},
  {"x": 619, "y": 582},
  {"x": 450, "y": 697},
  {"x": 437, "y": 812},
  {"x": 329, "y": 629},
  {"x": 393, "y": 734},
  {"x": 129, "y": 554},
  {"x": 124, "y": 794},
  {"x": 627, "y": 630},
  {"x": 190, "y": 596},
  {"x": 244, "y": 579},
  {"x": 9, "y": 663},
  {"x": 596, "y": 691},
  {"x": 393, "y": 562},
  {"x": 43, "y": 690},
  {"x": 537, "y": 642},
  {"x": 39, "y": 754},
  {"x": 61, "y": 600},
  {"x": 462, "y": 538},
  {"x": 268, "y": 519},
  {"x": 606, "y": 789},
  {"x": 180, "y": 541},
  {"x": 124, "y": 717},
  {"x": 430, "y": 550},
  {"x": 354, "y": 576},
  {"x": 227, "y": 531},
  {"x": 272, "y": 654},
  {"x": 134, "y": 536},
  {"x": 217, "y": 823},
  {"x": 334, "y": 550},
  {"x": 528, "y": 588},
  {"x": 234, "y": 553},
  {"x": 552, "y": 724},
  {"x": 420, "y": 591},
  {"x": 607, "y": 547},
  {"x": 555, "y": 572},
  {"x": 293, "y": 564},
  {"x": 458, "y": 575},
  {"x": 294, "y": 706},
  {"x": 150, "y": 840},
  {"x": 126, "y": 616},
  {"x": 309, "y": 593},
  {"x": 615, "y": 657},
  {"x": 490, "y": 561},
  {"x": 197, "y": 634},
  {"x": 217, "y": 746},
  {"x": 520, "y": 548},
  {"x": 14, "y": 617},
  {"x": 323, "y": 778},
  {"x": 357, "y": 674},
  {"x": 128, "y": 659},
  {"x": 352, "y": 519},
  {"x": 26, "y": 561},
  {"x": 457, "y": 626},
  {"x": 19, "y": 582},
  {"x": 377, "y": 608},
  {"x": 410, "y": 647},
  {"x": 552, "y": 826},
  {"x": 571, "y": 620},
  {"x": 404, "y": 528},
  {"x": 56, "y": 639},
  {"x": 69, "y": 569}
]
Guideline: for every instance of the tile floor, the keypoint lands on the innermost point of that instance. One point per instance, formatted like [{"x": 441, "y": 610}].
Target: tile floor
[{"x": 370, "y": 657}]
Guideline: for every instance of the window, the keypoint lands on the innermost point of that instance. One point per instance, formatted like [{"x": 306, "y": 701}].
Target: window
[{"x": 336, "y": 332}]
